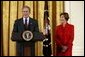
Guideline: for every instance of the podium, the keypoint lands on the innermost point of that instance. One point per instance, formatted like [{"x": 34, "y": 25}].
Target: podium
[{"x": 26, "y": 48}]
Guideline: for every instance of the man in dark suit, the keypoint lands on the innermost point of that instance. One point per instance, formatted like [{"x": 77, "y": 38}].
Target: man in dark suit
[{"x": 20, "y": 25}]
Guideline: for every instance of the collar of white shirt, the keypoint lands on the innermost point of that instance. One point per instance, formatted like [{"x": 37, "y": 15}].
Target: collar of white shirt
[{"x": 27, "y": 20}]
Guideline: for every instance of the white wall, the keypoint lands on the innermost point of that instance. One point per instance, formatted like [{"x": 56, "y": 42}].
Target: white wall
[{"x": 76, "y": 12}]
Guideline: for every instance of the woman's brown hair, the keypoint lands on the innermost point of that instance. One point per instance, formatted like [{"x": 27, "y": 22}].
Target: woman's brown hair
[{"x": 66, "y": 15}]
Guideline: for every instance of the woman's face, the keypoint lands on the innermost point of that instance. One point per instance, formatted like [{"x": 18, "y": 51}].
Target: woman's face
[{"x": 62, "y": 19}]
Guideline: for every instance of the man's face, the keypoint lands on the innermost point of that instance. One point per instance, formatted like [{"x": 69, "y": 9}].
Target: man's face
[{"x": 25, "y": 12}]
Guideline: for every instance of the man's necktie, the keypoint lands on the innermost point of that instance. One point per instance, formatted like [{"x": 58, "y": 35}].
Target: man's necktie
[{"x": 26, "y": 23}]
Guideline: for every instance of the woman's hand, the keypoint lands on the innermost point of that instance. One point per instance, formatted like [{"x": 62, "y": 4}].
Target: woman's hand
[{"x": 64, "y": 48}]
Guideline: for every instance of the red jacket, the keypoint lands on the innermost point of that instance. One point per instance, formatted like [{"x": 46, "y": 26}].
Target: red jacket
[{"x": 64, "y": 36}]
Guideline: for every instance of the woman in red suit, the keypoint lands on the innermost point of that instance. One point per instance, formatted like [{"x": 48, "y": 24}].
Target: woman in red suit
[{"x": 64, "y": 36}]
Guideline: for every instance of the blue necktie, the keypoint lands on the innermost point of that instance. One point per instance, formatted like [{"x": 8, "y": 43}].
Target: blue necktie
[
  {"x": 26, "y": 21},
  {"x": 26, "y": 26}
]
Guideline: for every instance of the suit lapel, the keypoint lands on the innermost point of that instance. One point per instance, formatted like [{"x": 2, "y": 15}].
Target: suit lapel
[
  {"x": 22, "y": 24},
  {"x": 30, "y": 24}
]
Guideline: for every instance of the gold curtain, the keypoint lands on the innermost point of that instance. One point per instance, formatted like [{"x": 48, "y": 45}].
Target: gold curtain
[{"x": 12, "y": 10}]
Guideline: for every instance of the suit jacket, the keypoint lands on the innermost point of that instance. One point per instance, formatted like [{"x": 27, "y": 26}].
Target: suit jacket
[{"x": 19, "y": 28}]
